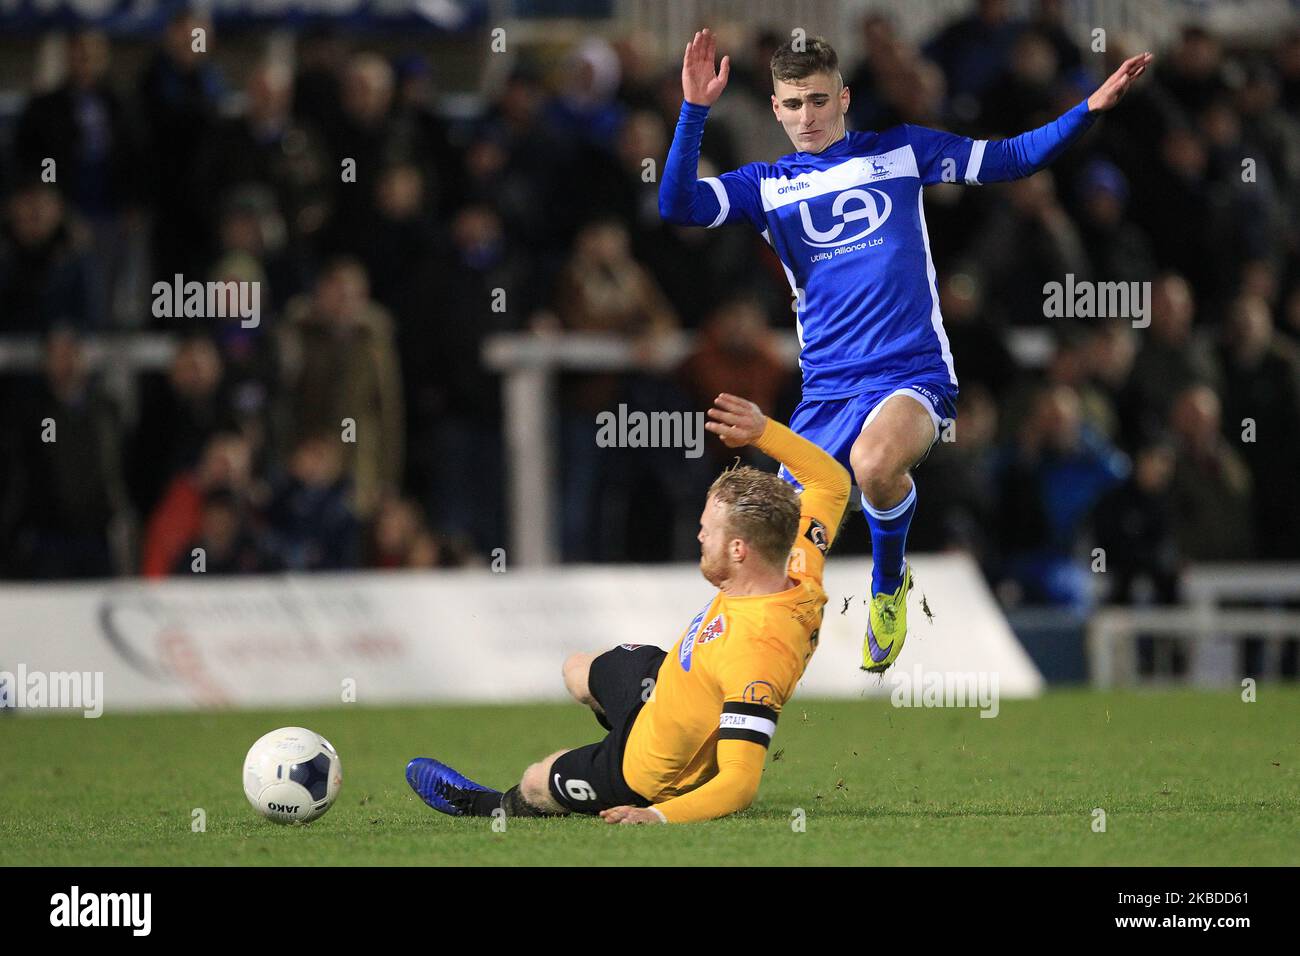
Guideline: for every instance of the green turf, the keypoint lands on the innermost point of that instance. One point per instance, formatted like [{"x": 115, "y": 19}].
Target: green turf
[{"x": 1184, "y": 777}]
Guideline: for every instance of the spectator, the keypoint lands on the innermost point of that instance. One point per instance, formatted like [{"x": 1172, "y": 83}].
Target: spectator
[
  {"x": 1181, "y": 210},
  {"x": 46, "y": 273},
  {"x": 178, "y": 519},
  {"x": 179, "y": 91},
  {"x": 744, "y": 115},
  {"x": 1071, "y": 366},
  {"x": 396, "y": 526},
  {"x": 310, "y": 521},
  {"x": 226, "y": 542},
  {"x": 515, "y": 162},
  {"x": 585, "y": 108},
  {"x": 341, "y": 375},
  {"x": 180, "y": 413},
  {"x": 1022, "y": 97},
  {"x": 401, "y": 539},
  {"x": 1049, "y": 482},
  {"x": 1026, "y": 242},
  {"x": 249, "y": 224},
  {"x": 958, "y": 480},
  {"x": 1193, "y": 71},
  {"x": 1112, "y": 349},
  {"x": 1288, "y": 66},
  {"x": 86, "y": 129},
  {"x": 454, "y": 400},
  {"x": 1172, "y": 356},
  {"x": 417, "y": 100},
  {"x": 1261, "y": 405},
  {"x": 1050, "y": 22},
  {"x": 373, "y": 135},
  {"x": 977, "y": 347},
  {"x": 69, "y": 490},
  {"x": 251, "y": 364},
  {"x": 1117, "y": 250},
  {"x": 1135, "y": 529},
  {"x": 401, "y": 235},
  {"x": 266, "y": 147},
  {"x": 973, "y": 52},
  {"x": 1211, "y": 486},
  {"x": 734, "y": 353},
  {"x": 602, "y": 289},
  {"x": 625, "y": 185}
]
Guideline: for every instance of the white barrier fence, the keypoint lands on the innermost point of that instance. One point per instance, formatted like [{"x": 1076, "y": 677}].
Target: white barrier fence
[
  {"x": 418, "y": 637},
  {"x": 1209, "y": 632}
]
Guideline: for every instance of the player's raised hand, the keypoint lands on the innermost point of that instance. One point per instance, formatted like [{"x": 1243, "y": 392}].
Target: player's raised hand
[
  {"x": 737, "y": 421},
  {"x": 1117, "y": 84},
  {"x": 700, "y": 84}
]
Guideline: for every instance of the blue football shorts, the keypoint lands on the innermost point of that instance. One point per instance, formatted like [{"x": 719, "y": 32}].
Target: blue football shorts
[{"x": 834, "y": 424}]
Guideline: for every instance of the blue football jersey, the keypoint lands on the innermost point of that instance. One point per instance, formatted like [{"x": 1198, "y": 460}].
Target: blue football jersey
[{"x": 848, "y": 224}]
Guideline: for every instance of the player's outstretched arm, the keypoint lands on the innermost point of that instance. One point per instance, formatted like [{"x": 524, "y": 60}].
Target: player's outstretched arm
[
  {"x": 997, "y": 161},
  {"x": 732, "y": 789},
  {"x": 826, "y": 485},
  {"x": 683, "y": 199}
]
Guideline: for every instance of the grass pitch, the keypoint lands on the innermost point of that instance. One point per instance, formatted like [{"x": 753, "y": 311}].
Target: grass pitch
[{"x": 1184, "y": 778}]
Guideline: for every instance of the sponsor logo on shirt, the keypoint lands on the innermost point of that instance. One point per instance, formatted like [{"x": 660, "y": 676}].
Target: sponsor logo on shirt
[
  {"x": 713, "y": 629},
  {"x": 816, "y": 533},
  {"x": 850, "y": 206},
  {"x": 758, "y": 692},
  {"x": 688, "y": 639}
]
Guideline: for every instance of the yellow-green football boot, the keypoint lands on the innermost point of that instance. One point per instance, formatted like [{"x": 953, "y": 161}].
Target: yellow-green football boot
[{"x": 886, "y": 627}]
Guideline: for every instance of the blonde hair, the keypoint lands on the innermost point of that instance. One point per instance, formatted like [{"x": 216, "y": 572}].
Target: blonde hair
[{"x": 762, "y": 510}]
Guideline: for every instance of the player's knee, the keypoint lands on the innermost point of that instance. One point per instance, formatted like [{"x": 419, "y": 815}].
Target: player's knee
[
  {"x": 534, "y": 785},
  {"x": 576, "y": 668},
  {"x": 877, "y": 469}
]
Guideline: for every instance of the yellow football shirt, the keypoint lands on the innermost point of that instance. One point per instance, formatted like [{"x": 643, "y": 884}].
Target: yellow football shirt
[{"x": 697, "y": 747}]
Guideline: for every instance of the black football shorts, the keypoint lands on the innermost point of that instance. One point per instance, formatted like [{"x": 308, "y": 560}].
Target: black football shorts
[{"x": 590, "y": 779}]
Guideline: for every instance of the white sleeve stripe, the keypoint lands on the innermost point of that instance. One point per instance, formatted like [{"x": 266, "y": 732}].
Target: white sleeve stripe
[
  {"x": 761, "y": 725},
  {"x": 976, "y": 160},
  {"x": 723, "y": 201}
]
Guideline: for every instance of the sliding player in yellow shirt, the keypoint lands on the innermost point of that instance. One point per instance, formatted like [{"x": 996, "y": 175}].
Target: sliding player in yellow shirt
[{"x": 689, "y": 729}]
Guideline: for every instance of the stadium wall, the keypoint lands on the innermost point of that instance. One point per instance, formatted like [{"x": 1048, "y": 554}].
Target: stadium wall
[{"x": 464, "y": 636}]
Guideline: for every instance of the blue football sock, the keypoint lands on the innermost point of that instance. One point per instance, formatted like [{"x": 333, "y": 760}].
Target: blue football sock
[{"x": 889, "y": 542}]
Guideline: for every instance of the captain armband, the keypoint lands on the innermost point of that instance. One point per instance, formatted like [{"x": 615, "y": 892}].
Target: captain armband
[{"x": 743, "y": 721}]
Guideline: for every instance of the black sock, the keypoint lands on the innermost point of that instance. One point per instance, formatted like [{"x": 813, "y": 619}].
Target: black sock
[
  {"x": 514, "y": 804},
  {"x": 483, "y": 802}
]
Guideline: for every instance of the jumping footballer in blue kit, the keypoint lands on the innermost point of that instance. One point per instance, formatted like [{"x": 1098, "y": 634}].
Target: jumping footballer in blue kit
[{"x": 844, "y": 214}]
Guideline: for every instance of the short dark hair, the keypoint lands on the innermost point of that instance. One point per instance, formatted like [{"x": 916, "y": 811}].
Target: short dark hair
[{"x": 817, "y": 56}]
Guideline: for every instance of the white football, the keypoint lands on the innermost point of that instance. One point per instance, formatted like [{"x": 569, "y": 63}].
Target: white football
[{"x": 292, "y": 775}]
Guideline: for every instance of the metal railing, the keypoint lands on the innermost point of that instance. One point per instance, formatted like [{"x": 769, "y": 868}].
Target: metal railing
[
  {"x": 529, "y": 365},
  {"x": 1207, "y": 632}
]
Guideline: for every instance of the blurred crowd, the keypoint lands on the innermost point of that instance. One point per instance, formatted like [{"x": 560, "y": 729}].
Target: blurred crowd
[{"x": 355, "y": 425}]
